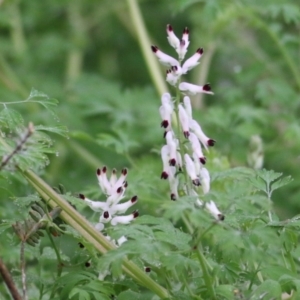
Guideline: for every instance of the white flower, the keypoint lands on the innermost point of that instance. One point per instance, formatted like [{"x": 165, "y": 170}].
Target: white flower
[
  {"x": 206, "y": 141},
  {"x": 171, "y": 143},
  {"x": 164, "y": 58},
  {"x": 212, "y": 208},
  {"x": 184, "y": 43},
  {"x": 111, "y": 208},
  {"x": 172, "y": 38},
  {"x": 165, "y": 159},
  {"x": 196, "y": 147},
  {"x": 166, "y": 110},
  {"x": 192, "y": 61},
  {"x": 184, "y": 120},
  {"x": 190, "y": 168},
  {"x": 193, "y": 89},
  {"x": 205, "y": 180},
  {"x": 187, "y": 106},
  {"x": 173, "y": 180}
]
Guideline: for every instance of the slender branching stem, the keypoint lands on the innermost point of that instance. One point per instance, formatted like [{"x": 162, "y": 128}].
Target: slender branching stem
[
  {"x": 23, "y": 269},
  {"x": 9, "y": 281}
]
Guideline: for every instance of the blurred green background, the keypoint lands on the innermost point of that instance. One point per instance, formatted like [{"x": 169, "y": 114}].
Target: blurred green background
[{"x": 86, "y": 54}]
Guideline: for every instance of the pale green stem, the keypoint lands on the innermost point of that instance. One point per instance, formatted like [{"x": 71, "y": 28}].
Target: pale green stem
[
  {"x": 78, "y": 222},
  {"x": 145, "y": 44}
]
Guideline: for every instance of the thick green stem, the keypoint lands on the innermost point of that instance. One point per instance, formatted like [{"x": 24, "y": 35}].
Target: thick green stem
[
  {"x": 78, "y": 222},
  {"x": 144, "y": 41}
]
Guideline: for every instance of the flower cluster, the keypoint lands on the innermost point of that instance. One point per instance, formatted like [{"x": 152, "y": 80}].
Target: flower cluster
[
  {"x": 178, "y": 156},
  {"x": 114, "y": 188}
]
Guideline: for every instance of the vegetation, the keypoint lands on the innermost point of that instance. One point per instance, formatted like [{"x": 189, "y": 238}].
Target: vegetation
[{"x": 81, "y": 90}]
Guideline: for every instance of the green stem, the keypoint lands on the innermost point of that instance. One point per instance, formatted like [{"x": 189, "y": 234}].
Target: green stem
[
  {"x": 206, "y": 275},
  {"x": 144, "y": 41},
  {"x": 203, "y": 263},
  {"x": 78, "y": 222}
]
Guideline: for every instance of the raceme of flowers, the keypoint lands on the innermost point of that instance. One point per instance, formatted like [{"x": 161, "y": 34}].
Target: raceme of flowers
[
  {"x": 193, "y": 159},
  {"x": 114, "y": 188}
]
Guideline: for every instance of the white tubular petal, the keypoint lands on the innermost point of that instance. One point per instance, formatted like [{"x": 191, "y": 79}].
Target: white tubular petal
[
  {"x": 184, "y": 43},
  {"x": 205, "y": 180},
  {"x": 116, "y": 197},
  {"x": 103, "y": 181},
  {"x": 124, "y": 219},
  {"x": 166, "y": 99},
  {"x": 171, "y": 147},
  {"x": 121, "y": 240},
  {"x": 166, "y": 116},
  {"x": 197, "y": 163},
  {"x": 94, "y": 205},
  {"x": 99, "y": 226},
  {"x": 121, "y": 180},
  {"x": 196, "y": 147},
  {"x": 179, "y": 159},
  {"x": 187, "y": 106},
  {"x": 113, "y": 177},
  {"x": 172, "y": 38},
  {"x": 212, "y": 208},
  {"x": 171, "y": 77},
  {"x": 165, "y": 59},
  {"x": 193, "y": 89},
  {"x": 184, "y": 120},
  {"x": 192, "y": 61},
  {"x": 200, "y": 134},
  {"x": 165, "y": 159},
  {"x": 174, "y": 187},
  {"x": 121, "y": 208},
  {"x": 190, "y": 168}
]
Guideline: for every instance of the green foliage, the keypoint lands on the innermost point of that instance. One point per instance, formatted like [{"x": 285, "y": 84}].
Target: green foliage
[{"x": 86, "y": 54}]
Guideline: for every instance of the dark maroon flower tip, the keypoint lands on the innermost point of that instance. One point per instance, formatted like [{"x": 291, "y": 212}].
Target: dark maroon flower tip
[
  {"x": 169, "y": 27},
  {"x": 168, "y": 71},
  {"x": 87, "y": 264},
  {"x": 186, "y": 30},
  {"x": 147, "y": 269},
  {"x": 172, "y": 162},
  {"x": 135, "y": 213},
  {"x": 164, "y": 175},
  {"x": 200, "y": 51},
  {"x": 114, "y": 171},
  {"x": 202, "y": 160},
  {"x": 164, "y": 123},
  {"x": 106, "y": 214},
  {"x": 80, "y": 245},
  {"x": 134, "y": 199},
  {"x": 104, "y": 169},
  {"x": 173, "y": 197},
  {"x": 186, "y": 134},
  {"x": 125, "y": 184},
  {"x": 221, "y": 217},
  {"x": 211, "y": 142},
  {"x": 206, "y": 87},
  {"x": 119, "y": 190},
  {"x": 124, "y": 171},
  {"x": 174, "y": 68},
  {"x": 154, "y": 48},
  {"x": 196, "y": 182},
  {"x": 81, "y": 196},
  {"x": 98, "y": 172}
]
